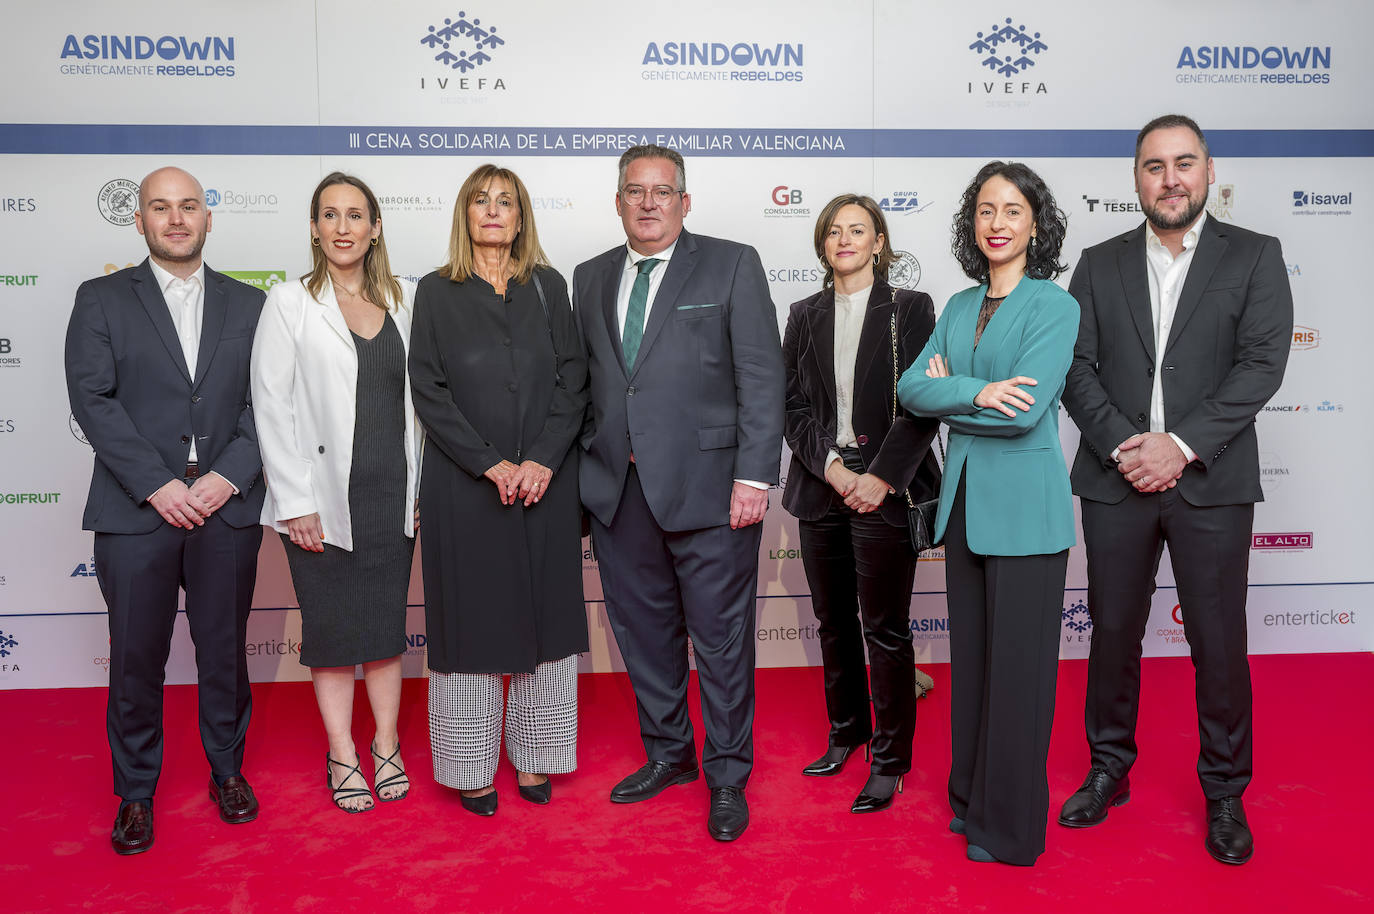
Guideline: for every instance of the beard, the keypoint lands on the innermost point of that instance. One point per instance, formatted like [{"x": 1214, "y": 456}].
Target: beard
[
  {"x": 163, "y": 252},
  {"x": 1161, "y": 219}
]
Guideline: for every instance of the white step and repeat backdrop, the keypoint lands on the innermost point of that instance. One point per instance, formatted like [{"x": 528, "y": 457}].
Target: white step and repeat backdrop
[{"x": 777, "y": 107}]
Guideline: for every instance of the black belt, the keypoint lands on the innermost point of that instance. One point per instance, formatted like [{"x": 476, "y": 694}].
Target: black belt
[{"x": 192, "y": 470}]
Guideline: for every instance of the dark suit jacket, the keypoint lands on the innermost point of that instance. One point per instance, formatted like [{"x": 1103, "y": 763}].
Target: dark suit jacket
[
  {"x": 1224, "y": 359},
  {"x": 897, "y": 453},
  {"x": 138, "y": 405},
  {"x": 704, "y": 403}
]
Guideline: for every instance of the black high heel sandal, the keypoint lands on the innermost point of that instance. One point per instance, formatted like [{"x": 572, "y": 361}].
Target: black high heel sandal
[
  {"x": 342, "y": 793},
  {"x": 393, "y": 780}
]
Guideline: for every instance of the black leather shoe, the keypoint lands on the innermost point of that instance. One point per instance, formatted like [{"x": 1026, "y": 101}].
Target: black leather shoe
[
  {"x": 956, "y": 825},
  {"x": 653, "y": 779},
  {"x": 1228, "y": 833},
  {"x": 833, "y": 761},
  {"x": 538, "y": 793},
  {"x": 485, "y": 805},
  {"x": 979, "y": 855},
  {"x": 1089, "y": 804},
  {"x": 235, "y": 800},
  {"x": 877, "y": 793},
  {"x": 729, "y": 813},
  {"x": 133, "y": 829}
]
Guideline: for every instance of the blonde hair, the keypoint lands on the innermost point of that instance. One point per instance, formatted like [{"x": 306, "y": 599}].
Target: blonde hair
[
  {"x": 525, "y": 253},
  {"x": 379, "y": 286}
]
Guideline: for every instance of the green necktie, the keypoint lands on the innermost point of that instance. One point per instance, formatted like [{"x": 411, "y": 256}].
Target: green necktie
[{"x": 634, "y": 317}]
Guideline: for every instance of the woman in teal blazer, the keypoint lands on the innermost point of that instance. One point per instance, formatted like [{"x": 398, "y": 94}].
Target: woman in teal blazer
[{"x": 993, "y": 371}]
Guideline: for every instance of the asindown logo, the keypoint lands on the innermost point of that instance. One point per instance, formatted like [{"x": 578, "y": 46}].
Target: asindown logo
[
  {"x": 724, "y": 61},
  {"x": 1007, "y": 51},
  {"x": 464, "y": 46},
  {"x": 1242, "y": 65},
  {"x": 146, "y": 55}
]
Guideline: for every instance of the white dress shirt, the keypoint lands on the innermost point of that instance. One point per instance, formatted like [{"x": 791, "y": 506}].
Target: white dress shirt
[
  {"x": 849, "y": 324},
  {"x": 186, "y": 301},
  {"x": 1166, "y": 274}
]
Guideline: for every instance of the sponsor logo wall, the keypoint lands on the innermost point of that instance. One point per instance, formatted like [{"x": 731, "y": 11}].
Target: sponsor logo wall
[{"x": 774, "y": 119}]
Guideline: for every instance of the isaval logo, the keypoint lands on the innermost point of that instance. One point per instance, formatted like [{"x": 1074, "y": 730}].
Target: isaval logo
[
  {"x": 118, "y": 200},
  {"x": 905, "y": 270},
  {"x": 1313, "y": 203},
  {"x": 903, "y": 203},
  {"x": 184, "y": 56},
  {"x": 724, "y": 61},
  {"x": 1008, "y": 51},
  {"x": 463, "y": 44},
  {"x": 1237, "y": 65},
  {"x": 258, "y": 279}
]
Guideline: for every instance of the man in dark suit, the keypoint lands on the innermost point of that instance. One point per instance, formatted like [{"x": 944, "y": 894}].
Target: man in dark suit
[
  {"x": 1185, "y": 331},
  {"x": 157, "y": 372},
  {"x": 684, "y": 439}
]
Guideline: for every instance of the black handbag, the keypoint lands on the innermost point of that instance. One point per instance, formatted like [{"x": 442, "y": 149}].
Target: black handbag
[{"x": 920, "y": 516}]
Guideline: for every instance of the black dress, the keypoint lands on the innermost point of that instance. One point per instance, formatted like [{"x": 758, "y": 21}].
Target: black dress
[
  {"x": 353, "y": 604},
  {"x": 503, "y": 584}
]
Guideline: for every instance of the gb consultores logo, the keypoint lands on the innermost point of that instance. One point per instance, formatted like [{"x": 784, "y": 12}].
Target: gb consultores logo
[
  {"x": 724, "y": 61},
  {"x": 461, "y": 44},
  {"x": 786, "y": 203},
  {"x": 1247, "y": 65},
  {"x": 1007, "y": 51},
  {"x": 145, "y": 55}
]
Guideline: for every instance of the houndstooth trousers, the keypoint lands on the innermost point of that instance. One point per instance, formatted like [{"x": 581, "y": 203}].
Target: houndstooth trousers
[{"x": 465, "y": 723}]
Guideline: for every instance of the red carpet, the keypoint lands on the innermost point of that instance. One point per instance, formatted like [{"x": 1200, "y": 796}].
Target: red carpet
[{"x": 803, "y": 851}]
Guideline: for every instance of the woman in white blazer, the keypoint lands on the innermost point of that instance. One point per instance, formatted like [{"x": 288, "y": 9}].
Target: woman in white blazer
[{"x": 340, "y": 451}]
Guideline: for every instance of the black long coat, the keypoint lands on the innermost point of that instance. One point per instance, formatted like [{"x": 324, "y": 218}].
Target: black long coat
[{"x": 503, "y": 584}]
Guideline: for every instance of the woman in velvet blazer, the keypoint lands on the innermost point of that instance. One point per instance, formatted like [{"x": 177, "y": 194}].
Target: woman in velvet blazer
[
  {"x": 851, "y": 467},
  {"x": 993, "y": 371}
]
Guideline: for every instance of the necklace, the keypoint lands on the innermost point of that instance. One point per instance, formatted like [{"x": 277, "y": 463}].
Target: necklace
[{"x": 339, "y": 285}]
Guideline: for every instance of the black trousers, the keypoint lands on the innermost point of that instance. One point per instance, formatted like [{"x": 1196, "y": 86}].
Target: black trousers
[
  {"x": 1210, "y": 551},
  {"x": 140, "y": 575},
  {"x": 1004, "y": 624},
  {"x": 860, "y": 566},
  {"x": 662, "y": 587}
]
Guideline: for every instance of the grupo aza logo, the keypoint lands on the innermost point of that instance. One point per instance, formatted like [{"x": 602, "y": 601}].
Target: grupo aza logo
[
  {"x": 84, "y": 569},
  {"x": 118, "y": 200},
  {"x": 724, "y": 61},
  {"x": 1322, "y": 203},
  {"x": 905, "y": 270},
  {"x": 1275, "y": 65},
  {"x": 1306, "y": 338},
  {"x": 1077, "y": 621},
  {"x": 258, "y": 279},
  {"x": 786, "y": 203},
  {"x": 1007, "y": 51},
  {"x": 903, "y": 203},
  {"x": 463, "y": 45},
  {"x": 1221, "y": 203},
  {"x": 124, "y": 55}
]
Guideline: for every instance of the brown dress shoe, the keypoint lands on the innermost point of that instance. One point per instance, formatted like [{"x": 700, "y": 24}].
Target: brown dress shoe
[
  {"x": 235, "y": 800},
  {"x": 133, "y": 829}
]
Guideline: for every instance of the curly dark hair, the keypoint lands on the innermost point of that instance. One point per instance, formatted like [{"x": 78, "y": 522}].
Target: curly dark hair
[{"x": 1042, "y": 258}]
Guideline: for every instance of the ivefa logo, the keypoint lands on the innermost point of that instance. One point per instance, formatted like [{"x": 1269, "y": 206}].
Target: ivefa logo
[
  {"x": 463, "y": 44},
  {"x": 1006, "y": 51},
  {"x": 7, "y": 646}
]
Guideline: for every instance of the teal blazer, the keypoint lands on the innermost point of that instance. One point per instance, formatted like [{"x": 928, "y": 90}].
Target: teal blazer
[{"x": 1017, "y": 496}]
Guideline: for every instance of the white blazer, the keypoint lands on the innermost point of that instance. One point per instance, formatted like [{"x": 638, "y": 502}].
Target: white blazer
[{"x": 305, "y": 383}]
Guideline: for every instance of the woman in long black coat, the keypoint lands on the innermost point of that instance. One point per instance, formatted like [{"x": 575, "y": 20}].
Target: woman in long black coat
[{"x": 498, "y": 378}]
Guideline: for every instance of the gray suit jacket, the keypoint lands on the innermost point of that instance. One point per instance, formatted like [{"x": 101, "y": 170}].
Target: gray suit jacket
[
  {"x": 1224, "y": 359},
  {"x": 138, "y": 405},
  {"x": 704, "y": 403}
]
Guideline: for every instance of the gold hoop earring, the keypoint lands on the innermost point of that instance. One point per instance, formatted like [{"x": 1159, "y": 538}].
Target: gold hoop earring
[
  {"x": 314, "y": 241},
  {"x": 374, "y": 242}
]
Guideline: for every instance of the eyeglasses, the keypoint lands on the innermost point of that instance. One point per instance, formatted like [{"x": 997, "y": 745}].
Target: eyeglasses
[{"x": 662, "y": 195}]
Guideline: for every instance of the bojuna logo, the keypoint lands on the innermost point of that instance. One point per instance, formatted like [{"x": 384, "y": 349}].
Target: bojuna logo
[
  {"x": 724, "y": 61},
  {"x": 117, "y": 201},
  {"x": 1306, "y": 338},
  {"x": 258, "y": 279},
  {"x": 1078, "y": 623},
  {"x": 905, "y": 270},
  {"x": 124, "y": 55},
  {"x": 1007, "y": 51},
  {"x": 1221, "y": 203},
  {"x": 464, "y": 46},
  {"x": 1281, "y": 542},
  {"x": 903, "y": 203},
  {"x": 1314, "y": 203},
  {"x": 1111, "y": 205},
  {"x": 787, "y": 203},
  {"x": 1241, "y": 65},
  {"x": 238, "y": 202}
]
